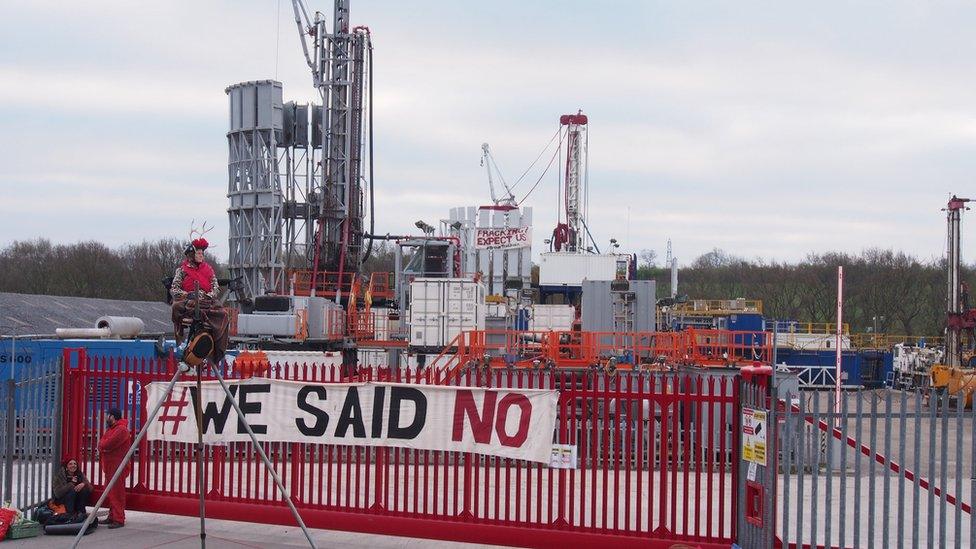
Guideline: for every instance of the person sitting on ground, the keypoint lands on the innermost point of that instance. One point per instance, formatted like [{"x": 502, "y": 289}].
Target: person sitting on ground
[{"x": 71, "y": 488}]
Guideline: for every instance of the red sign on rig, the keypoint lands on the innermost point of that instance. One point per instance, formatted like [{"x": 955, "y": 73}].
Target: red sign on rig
[
  {"x": 512, "y": 423},
  {"x": 503, "y": 238}
]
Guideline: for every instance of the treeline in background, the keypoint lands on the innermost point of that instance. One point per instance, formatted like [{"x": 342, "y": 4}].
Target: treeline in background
[
  {"x": 90, "y": 269},
  {"x": 883, "y": 289}
]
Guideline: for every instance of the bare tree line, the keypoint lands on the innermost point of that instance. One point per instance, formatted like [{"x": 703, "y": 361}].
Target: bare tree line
[
  {"x": 884, "y": 289},
  {"x": 890, "y": 290},
  {"x": 90, "y": 269},
  {"x": 133, "y": 271}
]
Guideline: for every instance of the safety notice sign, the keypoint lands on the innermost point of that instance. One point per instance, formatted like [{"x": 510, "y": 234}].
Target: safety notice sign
[{"x": 754, "y": 429}]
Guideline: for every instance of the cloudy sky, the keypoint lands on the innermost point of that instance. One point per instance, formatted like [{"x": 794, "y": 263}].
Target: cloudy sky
[{"x": 767, "y": 129}]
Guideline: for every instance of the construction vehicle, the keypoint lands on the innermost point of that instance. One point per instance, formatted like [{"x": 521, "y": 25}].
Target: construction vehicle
[{"x": 958, "y": 374}]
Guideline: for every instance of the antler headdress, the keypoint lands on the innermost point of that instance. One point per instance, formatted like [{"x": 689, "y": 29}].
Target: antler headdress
[{"x": 200, "y": 242}]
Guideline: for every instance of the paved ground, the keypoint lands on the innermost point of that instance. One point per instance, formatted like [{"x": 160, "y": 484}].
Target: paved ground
[{"x": 149, "y": 530}]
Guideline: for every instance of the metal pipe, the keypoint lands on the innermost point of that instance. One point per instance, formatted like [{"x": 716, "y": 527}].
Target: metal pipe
[
  {"x": 76, "y": 333},
  {"x": 200, "y": 467},
  {"x": 121, "y": 326}
]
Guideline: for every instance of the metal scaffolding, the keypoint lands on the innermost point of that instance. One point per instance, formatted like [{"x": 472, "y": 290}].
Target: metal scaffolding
[{"x": 254, "y": 184}]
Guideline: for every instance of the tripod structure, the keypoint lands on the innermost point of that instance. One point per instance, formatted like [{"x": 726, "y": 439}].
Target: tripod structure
[{"x": 182, "y": 369}]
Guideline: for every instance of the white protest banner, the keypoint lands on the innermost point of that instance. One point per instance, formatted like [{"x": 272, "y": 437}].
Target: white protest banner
[
  {"x": 513, "y": 423},
  {"x": 503, "y": 238}
]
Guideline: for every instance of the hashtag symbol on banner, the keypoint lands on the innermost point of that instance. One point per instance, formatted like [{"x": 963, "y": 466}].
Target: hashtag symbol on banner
[{"x": 175, "y": 418}]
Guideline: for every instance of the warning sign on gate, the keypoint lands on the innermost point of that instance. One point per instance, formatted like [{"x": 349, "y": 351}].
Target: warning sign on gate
[{"x": 754, "y": 429}]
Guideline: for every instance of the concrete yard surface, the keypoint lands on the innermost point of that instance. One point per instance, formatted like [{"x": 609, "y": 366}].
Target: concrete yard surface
[{"x": 151, "y": 530}]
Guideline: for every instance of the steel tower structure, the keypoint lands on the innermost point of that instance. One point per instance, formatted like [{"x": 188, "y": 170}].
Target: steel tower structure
[
  {"x": 301, "y": 156},
  {"x": 956, "y": 320},
  {"x": 254, "y": 184},
  {"x": 338, "y": 60},
  {"x": 570, "y": 236}
]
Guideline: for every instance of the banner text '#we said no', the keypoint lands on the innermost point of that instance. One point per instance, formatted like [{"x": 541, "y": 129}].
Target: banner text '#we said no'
[{"x": 513, "y": 423}]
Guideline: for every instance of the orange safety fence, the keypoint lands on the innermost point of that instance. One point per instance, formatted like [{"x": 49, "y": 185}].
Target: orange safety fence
[
  {"x": 611, "y": 350},
  {"x": 727, "y": 348},
  {"x": 325, "y": 283},
  {"x": 367, "y": 327},
  {"x": 380, "y": 286}
]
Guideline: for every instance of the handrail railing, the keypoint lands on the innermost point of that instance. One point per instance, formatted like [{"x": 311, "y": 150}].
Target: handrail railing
[
  {"x": 325, "y": 284},
  {"x": 570, "y": 349},
  {"x": 817, "y": 328},
  {"x": 886, "y": 341},
  {"x": 718, "y": 307}
]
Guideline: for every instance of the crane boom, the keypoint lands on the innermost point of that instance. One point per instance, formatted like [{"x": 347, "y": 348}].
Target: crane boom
[{"x": 488, "y": 161}]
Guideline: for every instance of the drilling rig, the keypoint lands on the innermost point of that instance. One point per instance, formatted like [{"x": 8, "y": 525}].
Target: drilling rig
[
  {"x": 340, "y": 60},
  {"x": 958, "y": 374},
  {"x": 569, "y": 235},
  {"x": 298, "y": 191}
]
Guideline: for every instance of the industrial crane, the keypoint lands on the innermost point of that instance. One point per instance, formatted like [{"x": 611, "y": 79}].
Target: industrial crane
[
  {"x": 957, "y": 375},
  {"x": 488, "y": 161}
]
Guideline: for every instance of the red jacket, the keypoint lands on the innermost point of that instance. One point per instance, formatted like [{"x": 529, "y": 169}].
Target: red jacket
[
  {"x": 192, "y": 274},
  {"x": 115, "y": 442}
]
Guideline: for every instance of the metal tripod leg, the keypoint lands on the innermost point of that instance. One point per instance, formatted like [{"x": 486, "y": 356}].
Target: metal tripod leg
[
  {"x": 125, "y": 461},
  {"x": 200, "y": 450},
  {"x": 264, "y": 457}
]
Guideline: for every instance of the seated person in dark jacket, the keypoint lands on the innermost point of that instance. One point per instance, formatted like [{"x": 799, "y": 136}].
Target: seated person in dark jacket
[{"x": 71, "y": 488}]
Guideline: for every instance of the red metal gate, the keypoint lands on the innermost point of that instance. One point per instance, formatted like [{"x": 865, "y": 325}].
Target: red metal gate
[{"x": 656, "y": 463}]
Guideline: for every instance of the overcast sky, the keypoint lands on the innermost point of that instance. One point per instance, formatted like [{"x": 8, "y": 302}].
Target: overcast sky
[{"x": 763, "y": 129}]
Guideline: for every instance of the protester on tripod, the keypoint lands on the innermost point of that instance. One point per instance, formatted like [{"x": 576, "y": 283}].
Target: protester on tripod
[
  {"x": 195, "y": 287},
  {"x": 112, "y": 448},
  {"x": 194, "y": 270},
  {"x": 71, "y": 488}
]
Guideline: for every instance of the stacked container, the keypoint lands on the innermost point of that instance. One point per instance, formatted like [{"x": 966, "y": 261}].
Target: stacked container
[{"x": 442, "y": 308}]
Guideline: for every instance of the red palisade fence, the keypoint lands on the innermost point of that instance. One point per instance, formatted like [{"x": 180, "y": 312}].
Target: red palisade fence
[{"x": 654, "y": 462}]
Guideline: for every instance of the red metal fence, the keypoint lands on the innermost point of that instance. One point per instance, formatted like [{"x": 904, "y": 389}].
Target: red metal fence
[{"x": 655, "y": 463}]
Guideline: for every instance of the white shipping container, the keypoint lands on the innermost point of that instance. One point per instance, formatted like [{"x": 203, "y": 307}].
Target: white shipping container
[
  {"x": 496, "y": 310},
  {"x": 811, "y": 342},
  {"x": 441, "y": 308},
  {"x": 571, "y": 269},
  {"x": 376, "y": 358},
  {"x": 383, "y": 325},
  {"x": 558, "y": 318}
]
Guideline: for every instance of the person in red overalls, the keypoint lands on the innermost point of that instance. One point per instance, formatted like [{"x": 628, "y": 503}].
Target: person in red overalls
[{"x": 112, "y": 447}]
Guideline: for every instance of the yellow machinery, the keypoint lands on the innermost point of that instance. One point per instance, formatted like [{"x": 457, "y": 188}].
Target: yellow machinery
[{"x": 955, "y": 381}]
